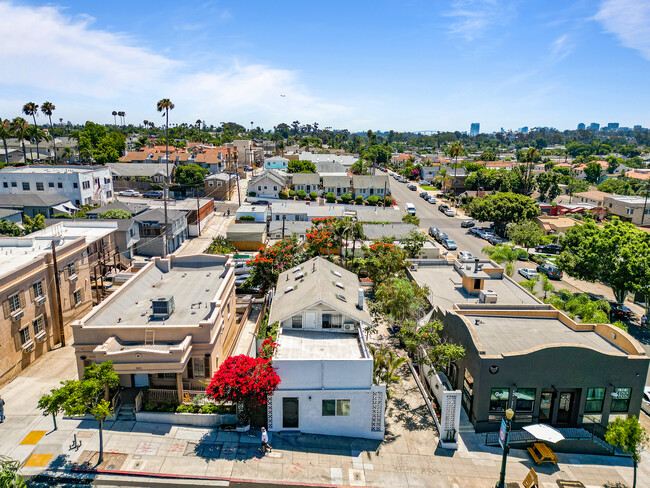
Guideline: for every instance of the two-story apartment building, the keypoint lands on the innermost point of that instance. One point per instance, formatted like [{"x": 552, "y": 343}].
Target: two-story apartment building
[
  {"x": 306, "y": 182},
  {"x": 367, "y": 185},
  {"x": 81, "y": 185},
  {"x": 30, "y": 325},
  {"x": 628, "y": 208},
  {"x": 168, "y": 328},
  {"x": 336, "y": 183},
  {"x": 154, "y": 240},
  {"x": 324, "y": 364}
]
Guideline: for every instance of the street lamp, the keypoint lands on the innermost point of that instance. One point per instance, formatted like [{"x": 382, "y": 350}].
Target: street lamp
[{"x": 502, "y": 477}]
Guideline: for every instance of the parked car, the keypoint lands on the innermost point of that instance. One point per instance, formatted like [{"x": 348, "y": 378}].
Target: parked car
[
  {"x": 467, "y": 223},
  {"x": 522, "y": 255},
  {"x": 261, "y": 202},
  {"x": 242, "y": 268},
  {"x": 549, "y": 249},
  {"x": 449, "y": 244},
  {"x": 464, "y": 256},
  {"x": 422, "y": 182},
  {"x": 494, "y": 240},
  {"x": 618, "y": 311},
  {"x": 442, "y": 207},
  {"x": 550, "y": 270},
  {"x": 153, "y": 194},
  {"x": 645, "y": 404},
  {"x": 485, "y": 234},
  {"x": 527, "y": 273},
  {"x": 475, "y": 231},
  {"x": 440, "y": 236},
  {"x": 411, "y": 187},
  {"x": 424, "y": 195},
  {"x": 432, "y": 200},
  {"x": 433, "y": 231},
  {"x": 128, "y": 193},
  {"x": 449, "y": 212},
  {"x": 241, "y": 278}
]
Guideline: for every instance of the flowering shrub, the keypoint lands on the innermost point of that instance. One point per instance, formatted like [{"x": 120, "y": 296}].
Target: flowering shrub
[
  {"x": 246, "y": 380},
  {"x": 267, "y": 349},
  {"x": 273, "y": 260},
  {"x": 320, "y": 240}
]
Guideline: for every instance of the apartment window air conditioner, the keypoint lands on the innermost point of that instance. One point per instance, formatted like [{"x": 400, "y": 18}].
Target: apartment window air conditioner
[
  {"x": 162, "y": 307},
  {"x": 41, "y": 336},
  {"x": 17, "y": 315},
  {"x": 40, "y": 300},
  {"x": 349, "y": 326},
  {"x": 28, "y": 346},
  {"x": 73, "y": 278}
]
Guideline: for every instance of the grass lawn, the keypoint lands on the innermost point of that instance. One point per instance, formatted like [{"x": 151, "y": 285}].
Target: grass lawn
[{"x": 428, "y": 187}]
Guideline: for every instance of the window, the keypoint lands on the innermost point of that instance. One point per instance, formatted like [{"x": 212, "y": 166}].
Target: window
[
  {"x": 499, "y": 399},
  {"x": 24, "y": 336},
  {"x": 595, "y": 400},
  {"x": 26, "y": 185},
  {"x": 525, "y": 399},
  {"x": 77, "y": 297},
  {"x": 14, "y": 302},
  {"x": 14, "y": 184},
  {"x": 107, "y": 181},
  {"x": 50, "y": 184},
  {"x": 85, "y": 185},
  {"x": 210, "y": 183},
  {"x": 71, "y": 269},
  {"x": 40, "y": 186},
  {"x": 468, "y": 390},
  {"x": 109, "y": 194},
  {"x": 296, "y": 321},
  {"x": 621, "y": 399},
  {"x": 219, "y": 183},
  {"x": 5, "y": 184},
  {"x": 39, "y": 325},
  {"x": 198, "y": 367},
  {"x": 275, "y": 188},
  {"x": 629, "y": 211},
  {"x": 75, "y": 185},
  {"x": 336, "y": 408},
  {"x": 59, "y": 185},
  {"x": 38, "y": 289}
]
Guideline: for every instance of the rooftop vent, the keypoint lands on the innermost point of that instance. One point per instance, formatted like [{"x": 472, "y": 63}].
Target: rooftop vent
[
  {"x": 289, "y": 288},
  {"x": 340, "y": 285},
  {"x": 295, "y": 270},
  {"x": 162, "y": 307},
  {"x": 300, "y": 275},
  {"x": 341, "y": 297},
  {"x": 336, "y": 273}
]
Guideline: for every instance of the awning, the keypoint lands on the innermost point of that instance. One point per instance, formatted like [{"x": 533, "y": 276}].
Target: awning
[
  {"x": 544, "y": 432},
  {"x": 70, "y": 207},
  {"x": 61, "y": 208}
]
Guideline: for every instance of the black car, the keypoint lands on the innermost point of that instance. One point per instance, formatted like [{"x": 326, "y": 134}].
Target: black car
[
  {"x": 467, "y": 223},
  {"x": 549, "y": 249},
  {"x": 618, "y": 311},
  {"x": 550, "y": 270},
  {"x": 441, "y": 236},
  {"x": 442, "y": 207},
  {"x": 261, "y": 202},
  {"x": 424, "y": 194},
  {"x": 433, "y": 231},
  {"x": 153, "y": 194}
]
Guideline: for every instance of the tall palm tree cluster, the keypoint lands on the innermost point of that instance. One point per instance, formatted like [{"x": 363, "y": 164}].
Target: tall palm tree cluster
[
  {"x": 119, "y": 114},
  {"x": 20, "y": 129}
]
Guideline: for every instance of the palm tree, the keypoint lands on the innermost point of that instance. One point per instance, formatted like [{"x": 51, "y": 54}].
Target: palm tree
[
  {"x": 356, "y": 234},
  {"x": 30, "y": 108},
  {"x": 67, "y": 153},
  {"x": 455, "y": 150},
  {"x": 385, "y": 366},
  {"x": 503, "y": 253},
  {"x": 530, "y": 157},
  {"x": 165, "y": 105},
  {"x": 342, "y": 229},
  {"x": 5, "y": 133},
  {"x": 115, "y": 117},
  {"x": 19, "y": 128},
  {"x": 47, "y": 108}
]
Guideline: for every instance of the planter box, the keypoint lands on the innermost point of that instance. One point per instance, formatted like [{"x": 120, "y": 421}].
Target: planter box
[{"x": 198, "y": 419}]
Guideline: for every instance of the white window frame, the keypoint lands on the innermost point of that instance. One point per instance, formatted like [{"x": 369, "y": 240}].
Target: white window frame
[
  {"x": 25, "y": 335},
  {"x": 76, "y": 296},
  {"x": 14, "y": 307},
  {"x": 38, "y": 289},
  {"x": 200, "y": 369},
  {"x": 38, "y": 324}
]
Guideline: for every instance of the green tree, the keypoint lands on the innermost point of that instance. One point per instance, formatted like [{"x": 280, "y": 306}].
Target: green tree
[
  {"x": 547, "y": 286},
  {"x": 413, "y": 243},
  {"x": 10, "y": 476},
  {"x": 267, "y": 265},
  {"x": 330, "y": 197},
  {"x": 48, "y": 109},
  {"x": 401, "y": 299},
  {"x": 593, "y": 172},
  {"x": 455, "y": 150},
  {"x": 385, "y": 366},
  {"x": 503, "y": 208},
  {"x": 301, "y": 167},
  {"x": 607, "y": 254},
  {"x": 19, "y": 128},
  {"x": 89, "y": 395},
  {"x": 5, "y": 133},
  {"x": 526, "y": 234},
  {"x": 341, "y": 230},
  {"x": 382, "y": 260},
  {"x": 32, "y": 225},
  {"x": 411, "y": 219},
  {"x": 630, "y": 436},
  {"x": 190, "y": 174},
  {"x": 115, "y": 214},
  {"x": 31, "y": 108},
  {"x": 548, "y": 187},
  {"x": 530, "y": 284},
  {"x": 438, "y": 353},
  {"x": 9, "y": 228},
  {"x": 503, "y": 253}
]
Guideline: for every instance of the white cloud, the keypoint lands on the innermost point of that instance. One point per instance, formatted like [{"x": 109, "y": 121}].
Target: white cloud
[
  {"x": 561, "y": 47},
  {"x": 472, "y": 17},
  {"x": 629, "y": 20},
  {"x": 90, "y": 72}
]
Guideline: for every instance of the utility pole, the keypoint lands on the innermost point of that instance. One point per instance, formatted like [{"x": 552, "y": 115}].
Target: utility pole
[
  {"x": 198, "y": 212},
  {"x": 645, "y": 202},
  {"x": 57, "y": 290},
  {"x": 385, "y": 184},
  {"x": 237, "y": 176},
  {"x": 284, "y": 219}
]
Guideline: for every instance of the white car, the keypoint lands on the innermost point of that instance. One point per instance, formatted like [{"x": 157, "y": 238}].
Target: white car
[
  {"x": 464, "y": 256},
  {"x": 645, "y": 404},
  {"x": 129, "y": 193},
  {"x": 528, "y": 273},
  {"x": 449, "y": 212}
]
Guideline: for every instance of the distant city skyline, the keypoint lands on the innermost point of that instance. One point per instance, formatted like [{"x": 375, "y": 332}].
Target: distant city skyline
[{"x": 505, "y": 63}]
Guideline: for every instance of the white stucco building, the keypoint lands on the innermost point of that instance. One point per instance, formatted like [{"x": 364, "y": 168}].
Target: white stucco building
[
  {"x": 83, "y": 185},
  {"x": 324, "y": 364}
]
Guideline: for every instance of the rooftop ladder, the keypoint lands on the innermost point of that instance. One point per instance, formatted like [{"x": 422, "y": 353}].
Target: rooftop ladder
[{"x": 149, "y": 337}]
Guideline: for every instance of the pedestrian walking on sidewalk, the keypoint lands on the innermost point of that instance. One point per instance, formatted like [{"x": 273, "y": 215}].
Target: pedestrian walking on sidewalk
[
  {"x": 2, "y": 410},
  {"x": 644, "y": 320},
  {"x": 265, "y": 441}
]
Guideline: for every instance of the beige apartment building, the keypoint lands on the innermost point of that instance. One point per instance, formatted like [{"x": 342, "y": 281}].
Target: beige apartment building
[
  {"x": 30, "y": 323},
  {"x": 628, "y": 208},
  {"x": 168, "y": 328}
]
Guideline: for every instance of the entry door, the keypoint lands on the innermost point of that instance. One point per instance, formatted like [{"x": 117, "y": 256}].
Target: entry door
[
  {"x": 290, "y": 413},
  {"x": 141, "y": 380},
  {"x": 546, "y": 407},
  {"x": 565, "y": 408},
  {"x": 310, "y": 320}
]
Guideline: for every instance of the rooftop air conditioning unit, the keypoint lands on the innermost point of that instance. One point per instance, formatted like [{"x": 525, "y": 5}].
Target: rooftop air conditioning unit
[
  {"x": 162, "y": 307},
  {"x": 349, "y": 326},
  {"x": 414, "y": 266},
  {"x": 487, "y": 296}
]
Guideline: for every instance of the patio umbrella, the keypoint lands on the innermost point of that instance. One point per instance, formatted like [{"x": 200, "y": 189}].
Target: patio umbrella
[{"x": 544, "y": 432}]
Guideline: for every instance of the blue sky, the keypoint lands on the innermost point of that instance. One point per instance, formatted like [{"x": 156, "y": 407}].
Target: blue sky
[{"x": 403, "y": 65}]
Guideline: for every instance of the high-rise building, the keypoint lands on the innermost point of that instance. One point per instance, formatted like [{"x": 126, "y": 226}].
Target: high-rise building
[
  {"x": 524, "y": 129},
  {"x": 581, "y": 126},
  {"x": 594, "y": 127},
  {"x": 612, "y": 126},
  {"x": 475, "y": 129}
]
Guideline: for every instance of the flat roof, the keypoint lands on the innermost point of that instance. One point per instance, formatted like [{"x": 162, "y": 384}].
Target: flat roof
[
  {"x": 311, "y": 344},
  {"x": 154, "y": 203},
  {"x": 193, "y": 281},
  {"x": 445, "y": 285},
  {"x": 92, "y": 231},
  {"x": 16, "y": 252},
  {"x": 502, "y": 335},
  {"x": 32, "y": 169}
]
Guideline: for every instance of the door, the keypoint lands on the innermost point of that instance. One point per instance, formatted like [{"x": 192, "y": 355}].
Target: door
[
  {"x": 289, "y": 413},
  {"x": 310, "y": 320},
  {"x": 565, "y": 408},
  {"x": 141, "y": 380},
  {"x": 546, "y": 408}
]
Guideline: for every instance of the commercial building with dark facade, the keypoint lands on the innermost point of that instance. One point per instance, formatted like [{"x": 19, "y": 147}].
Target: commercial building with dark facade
[{"x": 523, "y": 354}]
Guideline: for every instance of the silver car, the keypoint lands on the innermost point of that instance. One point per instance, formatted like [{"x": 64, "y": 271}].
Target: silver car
[
  {"x": 528, "y": 273},
  {"x": 645, "y": 404}
]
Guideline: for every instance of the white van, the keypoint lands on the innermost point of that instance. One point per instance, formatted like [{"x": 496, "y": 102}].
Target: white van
[{"x": 410, "y": 208}]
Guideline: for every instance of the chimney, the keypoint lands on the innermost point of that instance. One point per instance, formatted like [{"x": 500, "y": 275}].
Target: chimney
[
  {"x": 360, "y": 304},
  {"x": 476, "y": 265}
]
